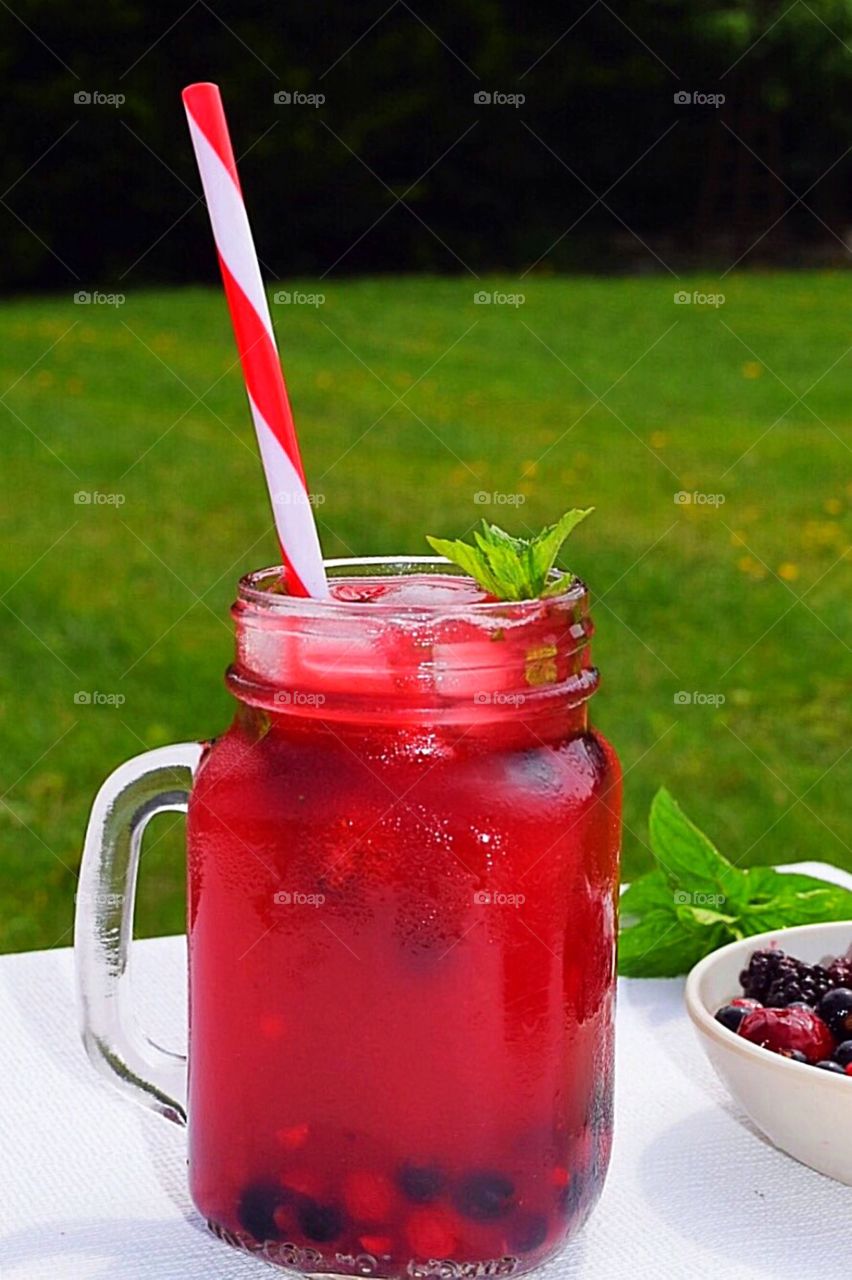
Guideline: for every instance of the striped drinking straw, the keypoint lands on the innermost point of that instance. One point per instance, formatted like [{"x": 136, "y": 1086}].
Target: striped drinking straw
[{"x": 264, "y": 380}]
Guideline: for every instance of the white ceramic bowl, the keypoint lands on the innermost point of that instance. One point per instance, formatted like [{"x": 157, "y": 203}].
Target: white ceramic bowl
[{"x": 804, "y": 1111}]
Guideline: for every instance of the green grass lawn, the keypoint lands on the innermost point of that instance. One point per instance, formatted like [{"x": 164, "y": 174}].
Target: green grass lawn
[{"x": 411, "y": 399}]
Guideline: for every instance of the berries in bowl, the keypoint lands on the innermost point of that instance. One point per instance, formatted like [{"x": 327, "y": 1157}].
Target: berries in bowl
[
  {"x": 774, "y": 1014},
  {"x": 802, "y": 1011}
]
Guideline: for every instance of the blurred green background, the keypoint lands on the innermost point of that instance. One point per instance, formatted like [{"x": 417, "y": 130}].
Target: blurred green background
[{"x": 412, "y": 399}]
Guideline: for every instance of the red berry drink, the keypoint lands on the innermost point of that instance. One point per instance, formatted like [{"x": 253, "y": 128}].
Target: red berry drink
[{"x": 403, "y": 869}]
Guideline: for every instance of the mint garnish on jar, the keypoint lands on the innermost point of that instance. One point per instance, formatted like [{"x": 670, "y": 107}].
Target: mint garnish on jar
[{"x": 511, "y": 568}]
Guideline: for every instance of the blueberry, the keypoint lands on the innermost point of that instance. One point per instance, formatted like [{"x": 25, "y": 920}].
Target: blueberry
[
  {"x": 832, "y": 1066},
  {"x": 421, "y": 1183},
  {"x": 796, "y": 1055},
  {"x": 528, "y": 1232},
  {"x": 256, "y": 1209},
  {"x": 320, "y": 1222},
  {"x": 731, "y": 1015},
  {"x": 835, "y": 1009},
  {"x": 484, "y": 1196},
  {"x": 843, "y": 1053}
]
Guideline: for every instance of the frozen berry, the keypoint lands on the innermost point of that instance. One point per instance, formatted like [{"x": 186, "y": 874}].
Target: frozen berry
[
  {"x": 368, "y": 1196},
  {"x": 840, "y": 971},
  {"x": 485, "y": 1196},
  {"x": 743, "y": 1002},
  {"x": 421, "y": 1183},
  {"x": 377, "y": 1245},
  {"x": 431, "y": 1233},
  {"x": 527, "y": 1232},
  {"x": 731, "y": 1015},
  {"x": 843, "y": 1053},
  {"x": 835, "y": 1008},
  {"x": 795, "y": 1055},
  {"x": 320, "y": 1222},
  {"x": 757, "y": 978},
  {"x": 832, "y": 1066},
  {"x": 782, "y": 1030},
  {"x": 256, "y": 1210}
]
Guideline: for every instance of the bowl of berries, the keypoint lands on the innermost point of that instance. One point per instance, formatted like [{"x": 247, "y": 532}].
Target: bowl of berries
[{"x": 774, "y": 1015}]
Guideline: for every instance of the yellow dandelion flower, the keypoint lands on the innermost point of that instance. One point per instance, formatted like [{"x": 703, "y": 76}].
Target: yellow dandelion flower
[
  {"x": 44, "y": 378},
  {"x": 788, "y": 571},
  {"x": 659, "y": 439},
  {"x": 529, "y": 468},
  {"x": 833, "y": 506},
  {"x": 751, "y": 369}
]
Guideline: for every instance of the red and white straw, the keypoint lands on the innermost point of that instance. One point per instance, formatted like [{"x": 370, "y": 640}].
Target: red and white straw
[{"x": 267, "y": 393}]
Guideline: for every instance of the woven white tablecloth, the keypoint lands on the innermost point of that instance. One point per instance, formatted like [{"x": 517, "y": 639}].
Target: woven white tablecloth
[{"x": 93, "y": 1186}]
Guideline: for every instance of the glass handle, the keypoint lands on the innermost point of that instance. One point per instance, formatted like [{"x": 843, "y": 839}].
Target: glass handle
[{"x": 158, "y": 781}]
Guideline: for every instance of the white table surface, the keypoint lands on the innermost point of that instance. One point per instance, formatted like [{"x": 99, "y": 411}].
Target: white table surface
[{"x": 92, "y": 1186}]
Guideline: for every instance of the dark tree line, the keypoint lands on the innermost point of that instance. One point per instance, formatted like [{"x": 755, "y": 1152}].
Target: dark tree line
[{"x": 399, "y": 167}]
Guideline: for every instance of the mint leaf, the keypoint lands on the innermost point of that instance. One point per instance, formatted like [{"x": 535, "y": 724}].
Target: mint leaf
[
  {"x": 512, "y": 568},
  {"x": 662, "y": 946},
  {"x": 694, "y": 866},
  {"x": 695, "y": 900}
]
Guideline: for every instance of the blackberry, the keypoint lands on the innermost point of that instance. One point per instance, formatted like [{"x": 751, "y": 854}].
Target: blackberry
[
  {"x": 761, "y": 972},
  {"x": 320, "y": 1222},
  {"x": 798, "y": 983},
  {"x": 840, "y": 972},
  {"x": 421, "y": 1183},
  {"x": 256, "y": 1209},
  {"x": 528, "y": 1232},
  {"x": 485, "y": 1196}
]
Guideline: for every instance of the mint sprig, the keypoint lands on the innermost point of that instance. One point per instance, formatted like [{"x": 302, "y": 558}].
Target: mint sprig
[
  {"x": 511, "y": 568},
  {"x": 695, "y": 900}
]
